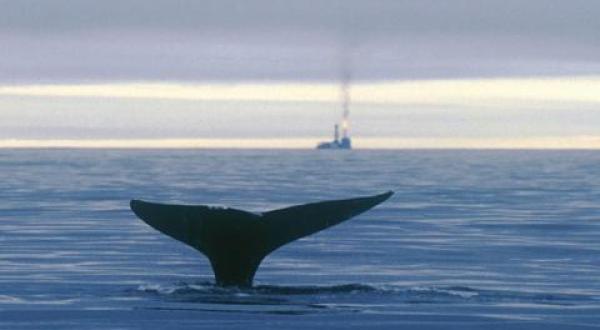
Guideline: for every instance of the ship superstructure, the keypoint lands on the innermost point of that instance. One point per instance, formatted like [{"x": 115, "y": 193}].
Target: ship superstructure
[
  {"x": 337, "y": 143},
  {"x": 345, "y": 142}
]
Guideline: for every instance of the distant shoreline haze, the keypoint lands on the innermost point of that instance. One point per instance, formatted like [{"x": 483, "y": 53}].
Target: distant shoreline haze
[
  {"x": 577, "y": 142},
  {"x": 522, "y": 113}
]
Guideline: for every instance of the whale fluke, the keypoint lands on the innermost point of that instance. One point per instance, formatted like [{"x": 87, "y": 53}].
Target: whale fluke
[{"x": 236, "y": 241}]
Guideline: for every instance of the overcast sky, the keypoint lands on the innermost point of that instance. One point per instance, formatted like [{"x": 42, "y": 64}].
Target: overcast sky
[
  {"x": 517, "y": 73},
  {"x": 295, "y": 40}
]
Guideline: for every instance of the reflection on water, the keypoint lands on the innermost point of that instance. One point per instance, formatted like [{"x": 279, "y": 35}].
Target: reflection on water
[{"x": 471, "y": 237}]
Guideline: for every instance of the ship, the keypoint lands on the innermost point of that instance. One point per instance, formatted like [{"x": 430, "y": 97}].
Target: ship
[
  {"x": 344, "y": 143},
  {"x": 337, "y": 143}
]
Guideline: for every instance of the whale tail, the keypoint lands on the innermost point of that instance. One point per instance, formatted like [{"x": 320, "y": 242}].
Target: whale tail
[{"x": 236, "y": 241}]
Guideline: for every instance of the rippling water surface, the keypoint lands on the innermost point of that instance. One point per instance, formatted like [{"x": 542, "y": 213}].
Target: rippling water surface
[{"x": 470, "y": 240}]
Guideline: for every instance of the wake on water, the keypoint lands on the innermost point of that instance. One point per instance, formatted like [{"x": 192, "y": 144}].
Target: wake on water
[{"x": 346, "y": 297}]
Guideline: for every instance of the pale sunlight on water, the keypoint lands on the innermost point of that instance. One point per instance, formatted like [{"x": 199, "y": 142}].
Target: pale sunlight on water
[{"x": 471, "y": 239}]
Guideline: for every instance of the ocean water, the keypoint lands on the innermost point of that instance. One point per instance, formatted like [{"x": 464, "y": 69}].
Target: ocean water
[{"x": 470, "y": 240}]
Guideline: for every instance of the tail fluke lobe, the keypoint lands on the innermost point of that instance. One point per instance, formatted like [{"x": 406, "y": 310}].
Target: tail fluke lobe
[
  {"x": 198, "y": 226},
  {"x": 291, "y": 223},
  {"x": 171, "y": 220},
  {"x": 236, "y": 241}
]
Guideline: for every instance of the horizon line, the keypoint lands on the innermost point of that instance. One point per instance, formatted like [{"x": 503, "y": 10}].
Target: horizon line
[{"x": 372, "y": 143}]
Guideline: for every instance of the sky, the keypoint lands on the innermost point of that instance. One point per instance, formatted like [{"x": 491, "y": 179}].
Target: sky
[{"x": 460, "y": 73}]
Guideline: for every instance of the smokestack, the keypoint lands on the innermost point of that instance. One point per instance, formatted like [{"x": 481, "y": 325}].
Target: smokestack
[
  {"x": 336, "y": 134},
  {"x": 345, "y": 94}
]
